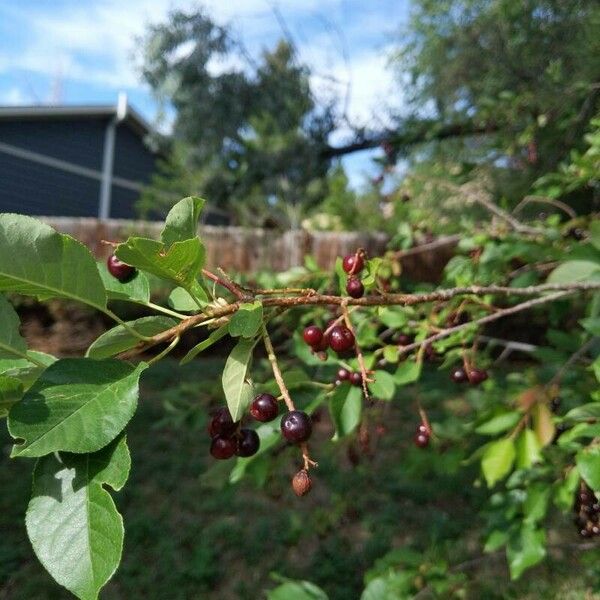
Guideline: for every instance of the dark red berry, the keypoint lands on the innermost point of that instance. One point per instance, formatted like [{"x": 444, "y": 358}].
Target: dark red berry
[
  {"x": 421, "y": 440},
  {"x": 459, "y": 375},
  {"x": 296, "y": 426},
  {"x": 356, "y": 378},
  {"x": 405, "y": 339},
  {"x": 353, "y": 264},
  {"x": 341, "y": 338},
  {"x": 354, "y": 287},
  {"x": 313, "y": 336},
  {"x": 264, "y": 408},
  {"x": 118, "y": 269},
  {"x": 221, "y": 424},
  {"x": 422, "y": 428},
  {"x": 248, "y": 443},
  {"x": 343, "y": 374},
  {"x": 223, "y": 447},
  {"x": 477, "y": 376}
]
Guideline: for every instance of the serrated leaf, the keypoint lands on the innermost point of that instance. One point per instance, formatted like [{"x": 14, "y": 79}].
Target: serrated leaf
[
  {"x": 543, "y": 424},
  {"x": 528, "y": 449},
  {"x": 498, "y": 423},
  {"x": 179, "y": 263},
  {"x": 234, "y": 378},
  {"x": 181, "y": 222},
  {"x": 575, "y": 270},
  {"x": 525, "y": 550},
  {"x": 497, "y": 460},
  {"x": 345, "y": 408},
  {"x": 214, "y": 337},
  {"x": 11, "y": 390},
  {"x": 407, "y": 372},
  {"x": 136, "y": 289},
  {"x": 247, "y": 320},
  {"x": 37, "y": 261},
  {"x": 384, "y": 385},
  {"x": 76, "y": 405},
  {"x": 72, "y": 522},
  {"x": 119, "y": 339},
  {"x": 588, "y": 463},
  {"x": 11, "y": 342}
]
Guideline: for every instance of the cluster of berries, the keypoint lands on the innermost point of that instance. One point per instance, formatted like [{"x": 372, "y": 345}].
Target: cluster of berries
[
  {"x": 337, "y": 337},
  {"x": 587, "y": 510},
  {"x": 422, "y": 435},
  {"x": 354, "y": 377},
  {"x": 229, "y": 438},
  {"x": 473, "y": 376},
  {"x": 353, "y": 264}
]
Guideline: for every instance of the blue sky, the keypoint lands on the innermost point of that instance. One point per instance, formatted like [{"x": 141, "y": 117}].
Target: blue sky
[{"x": 84, "y": 51}]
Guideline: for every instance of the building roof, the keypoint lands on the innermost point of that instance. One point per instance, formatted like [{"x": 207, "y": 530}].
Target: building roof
[{"x": 124, "y": 112}]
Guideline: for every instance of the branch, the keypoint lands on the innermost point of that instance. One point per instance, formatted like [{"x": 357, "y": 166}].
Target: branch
[
  {"x": 443, "y": 295},
  {"x": 450, "y": 240}
]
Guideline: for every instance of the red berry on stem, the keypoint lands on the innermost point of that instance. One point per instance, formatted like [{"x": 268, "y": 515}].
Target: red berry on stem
[
  {"x": 341, "y": 339},
  {"x": 477, "y": 376},
  {"x": 248, "y": 443},
  {"x": 343, "y": 374},
  {"x": 404, "y": 339},
  {"x": 223, "y": 447},
  {"x": 459, "y": 375},
  {"x": 118, "y": 269},
  {"x": 353, "y": 263},
  {"x": 356, "y": 378},
  {"x": 421, "y": 440},
  {"x": 264, "y": 408},
  {"x": 296, "y": 426},
  {"x": 354, "y": 287},
  {"x": 221, "y": 424},
  {"x": 313, "y": 335}
]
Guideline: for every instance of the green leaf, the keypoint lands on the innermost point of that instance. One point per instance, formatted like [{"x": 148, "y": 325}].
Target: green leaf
[
  {"x": 384, "y": 386},
  {"x": 179, "y": 263},
  {"x": 595, "y": 234},
  {"x": 591, "y": 324},
  {"x": 23, "y": 369},
  {"x": 214, "y": 337},
  {"x": 182, "y": 221},
  {"x": 391, "y": 353},
  {"x": 393, "y": 317},
  {"x": 72, "y": 522},
  {"x": 536, "y": 503},
  {"x": 237, "y": 391},
  {"x": 591, "y": 410},
  {"x": 182, "y": 301},
  {"x": 407, "y": 372},
  {"x": 497, "y": 460},
  {"x": 119, "y": 339},
  {"x": 499, "y": 423},
  {"x": 579, "y": 430},
  {"x": 496, "y": 540},
  {"x": 37, "y": 261},
  {"x": 575, "y": 270},
  {"x": 247, "y": 320},
  {"x": 588, "y": 463},
  {"x": 528, "y": 449},
  {"x": 11, "y": 390},
  {"x": 297, "y": 590},
  {"x": 345, "y": 407},
  {"x": 136, "y": 289},
  {"x": 77, "y": 405},
  {"x": 11, "y": 342},
  {"x": 525, "y": 549}
]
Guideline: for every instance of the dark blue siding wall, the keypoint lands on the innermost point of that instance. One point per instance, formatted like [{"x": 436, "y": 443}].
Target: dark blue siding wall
[{"x": 32, "y": 188}]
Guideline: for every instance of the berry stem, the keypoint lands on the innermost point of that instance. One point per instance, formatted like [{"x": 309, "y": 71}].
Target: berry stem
[
  {"x": 225, "y": 282},
  {"x": 166, "y": 351},
  {"x": 359, "y": 355}
]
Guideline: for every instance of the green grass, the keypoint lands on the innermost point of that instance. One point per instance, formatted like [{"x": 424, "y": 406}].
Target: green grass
[{"x": 187, "y": 538}]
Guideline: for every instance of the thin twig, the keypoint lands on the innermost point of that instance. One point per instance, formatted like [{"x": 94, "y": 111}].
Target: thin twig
[
  {"x": 450, "y": 240},
  {"x": 359, "y": 355},
  {"x": 226, "y": 283}
]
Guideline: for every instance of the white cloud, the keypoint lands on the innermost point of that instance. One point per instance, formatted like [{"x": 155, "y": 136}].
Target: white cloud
[{"x": 13, "y": 96}]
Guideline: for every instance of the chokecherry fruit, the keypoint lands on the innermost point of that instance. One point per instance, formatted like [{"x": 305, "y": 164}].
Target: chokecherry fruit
[
  {"x": 353, "y": 263},
  {"x": 313, "y": 336},
  {"x": 221, "y": 424},
  {"x": 404, "y": 339},
  {"x": 264, "y": 408},
  {"x": 296, "y": 426},
  {"x": 118, "y": 269},
  {"x": 477, "y": 376},
  {"x": 343, "y": 374},
  {"x": 459, "y": 375},
  {"x": 421, "y": 440},
  {"x": 341, "y": 339},
  {"x": 223, "y": 447},
  {"x": 301, "y": 483},
  {"x": 356, "y": 378},
  {"x": 355, "y": 287},
  {"x": 248, "y": 443}
]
